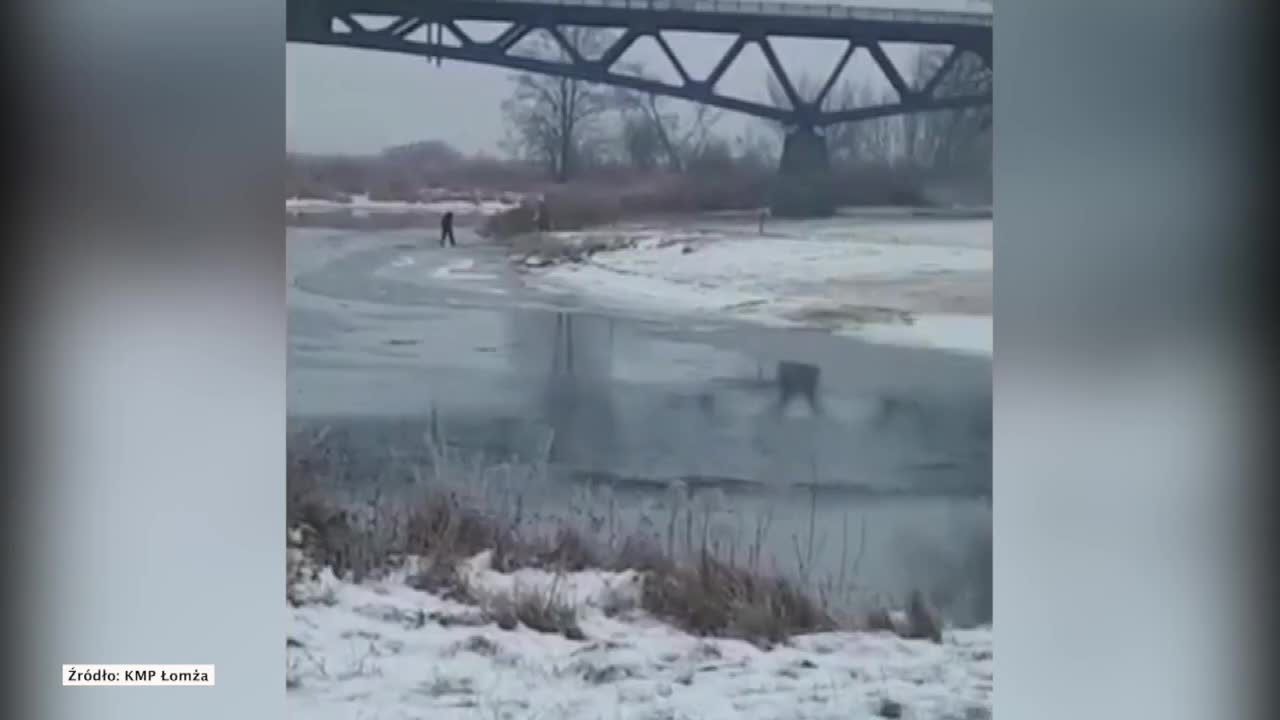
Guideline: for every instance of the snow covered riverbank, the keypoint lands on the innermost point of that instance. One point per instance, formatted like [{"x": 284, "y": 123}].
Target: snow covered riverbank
[
  {"x": 908, "y": 281},
  {"x": 446, "y": 202},
  {"x": 385, "y": 650}
]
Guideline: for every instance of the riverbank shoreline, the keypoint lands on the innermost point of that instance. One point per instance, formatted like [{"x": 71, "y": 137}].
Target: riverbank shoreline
[
  {"x": 884, "y": 277},
  {"x": 516, "y": 617}
]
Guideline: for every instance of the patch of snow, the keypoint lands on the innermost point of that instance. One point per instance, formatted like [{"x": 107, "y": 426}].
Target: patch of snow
[
  {"x": 645, "y": 291},
  {"x": 974, "y": 334},
  {"x": 410, "y": 267},
  {"x": 363, "y": 205},
  {"x": 463, "y": 207},
  {"x": 586, "y": 589},
  {"x": 381, "y": 650},
  {"x": 924, "y": 283},
  {"x": 769, "y": 262},
  {"x": 459, "y": 270}
]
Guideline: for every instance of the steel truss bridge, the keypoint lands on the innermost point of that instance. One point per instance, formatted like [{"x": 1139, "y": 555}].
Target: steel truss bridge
[{"x": 432, "y": 28}]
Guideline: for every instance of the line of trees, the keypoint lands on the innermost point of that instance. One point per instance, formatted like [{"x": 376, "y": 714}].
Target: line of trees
[
  {"x": 561, "y": 128},
  {"x": 943, "y": 140},
  {"x": 567, "y": 125},
  {"x": 556, "y": 121}
]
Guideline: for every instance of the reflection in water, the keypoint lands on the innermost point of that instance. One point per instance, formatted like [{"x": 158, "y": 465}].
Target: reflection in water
[
  {"x": 640, "y": 414},
  {"x": 890, "y": 439},
  {"x": 569, "y": 358},
  {"x": 892, "y": 457},
  {"x": 575, "y": 376},
  {"x": 561, "y": 345}
]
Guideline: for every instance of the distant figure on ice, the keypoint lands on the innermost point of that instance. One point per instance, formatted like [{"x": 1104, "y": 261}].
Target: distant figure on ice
[
  {"x": 764, "y": 215},
  {"x": 542, "y": 216},
  {"x": 446, "y": 230}
]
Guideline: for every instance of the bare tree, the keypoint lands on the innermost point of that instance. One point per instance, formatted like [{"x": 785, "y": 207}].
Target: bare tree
[
  {"x": 878, "y": 141},
  {"x": 851, "y": 143},
  {"x": 650, "y": 125},
  {"x": 939, "y": 140},
  {"x": 806, "y": 86},
  {"x": 640, "y": 144},
  {"x": 949, "y": 139},
  {"x": 555, "y": 120},
  {"x": 756, "y": 151}
]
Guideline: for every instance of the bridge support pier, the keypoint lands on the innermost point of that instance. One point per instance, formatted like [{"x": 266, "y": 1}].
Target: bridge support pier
[{"x": 804, "y": 186}]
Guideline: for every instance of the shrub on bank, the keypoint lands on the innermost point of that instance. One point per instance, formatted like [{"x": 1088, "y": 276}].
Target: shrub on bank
[{"x": 698, "y": 586}]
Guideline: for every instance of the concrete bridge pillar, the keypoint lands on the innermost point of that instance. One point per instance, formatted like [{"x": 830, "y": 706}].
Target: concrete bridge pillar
[{"x": 804, "y": 186}]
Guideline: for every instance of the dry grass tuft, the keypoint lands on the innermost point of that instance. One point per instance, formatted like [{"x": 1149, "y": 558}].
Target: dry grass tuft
[
  {"x": 541, "y": 610},
  {"x": 684, "y": 577},
  {"x": 713, "y": 598}
]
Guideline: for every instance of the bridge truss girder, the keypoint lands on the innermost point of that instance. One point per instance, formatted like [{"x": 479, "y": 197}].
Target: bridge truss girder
[{"x": 330, "y": 24}]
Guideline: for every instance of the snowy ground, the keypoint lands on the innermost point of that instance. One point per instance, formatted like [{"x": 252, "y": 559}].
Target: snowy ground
[
  {"x": 380, "y": 650},
  {"x": 363, "y": 204},
  {"x": 908, "y": 281}
]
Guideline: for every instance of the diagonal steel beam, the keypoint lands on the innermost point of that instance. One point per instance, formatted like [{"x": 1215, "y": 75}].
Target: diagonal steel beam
[
  {"x": 797, "y": 103},
  {"x": 723, "y": 66},
  {"x": 404, "y": 26},
  {"x": 890, "y": 72},
  {"x": 511, "y": 36},
  {"x": 352, "y": 24},
  {"x": 572, "y": 52},
  {"x": 675, "y": 62},
  {"x": 461, "y": 35},
  {"x": 942, "y": 71},
  {"x": 620, "y": 46},
  {"x": 835, "y": 74}
]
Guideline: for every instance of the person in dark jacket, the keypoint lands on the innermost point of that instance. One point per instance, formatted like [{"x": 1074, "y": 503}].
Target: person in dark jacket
[
  {"x": 543, "y": 216},
  {"x": 446, "y": 230}
]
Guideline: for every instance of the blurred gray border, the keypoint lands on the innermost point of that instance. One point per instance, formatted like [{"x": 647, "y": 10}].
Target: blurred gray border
[
  {"x": 149, "y": 497},
  {"x": 150, "y": 415},
  {"x": 1126, "y": 180}
]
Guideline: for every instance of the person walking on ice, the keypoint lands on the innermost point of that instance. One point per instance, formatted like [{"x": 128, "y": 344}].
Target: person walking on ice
[
  {"x": 446, "y": 230},
  {"x": 542, "y": 216}
]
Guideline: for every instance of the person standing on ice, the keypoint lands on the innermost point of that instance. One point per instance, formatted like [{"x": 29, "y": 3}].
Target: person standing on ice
[
  {"x": 446, "y": 230},
  {"x": 541, "y": 216},
  {"x": 764, "y": 215}
]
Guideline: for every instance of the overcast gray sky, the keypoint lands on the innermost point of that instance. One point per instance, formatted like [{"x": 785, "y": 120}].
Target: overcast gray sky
[{"x": 342, "y": 100}]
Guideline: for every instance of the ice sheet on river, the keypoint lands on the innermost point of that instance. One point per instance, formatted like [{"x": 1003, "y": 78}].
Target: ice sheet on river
[{"x": 905, "y": 281}]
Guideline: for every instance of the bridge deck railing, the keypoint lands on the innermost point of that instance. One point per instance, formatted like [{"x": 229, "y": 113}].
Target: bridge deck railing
[{"x": 760, "y": 7}]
